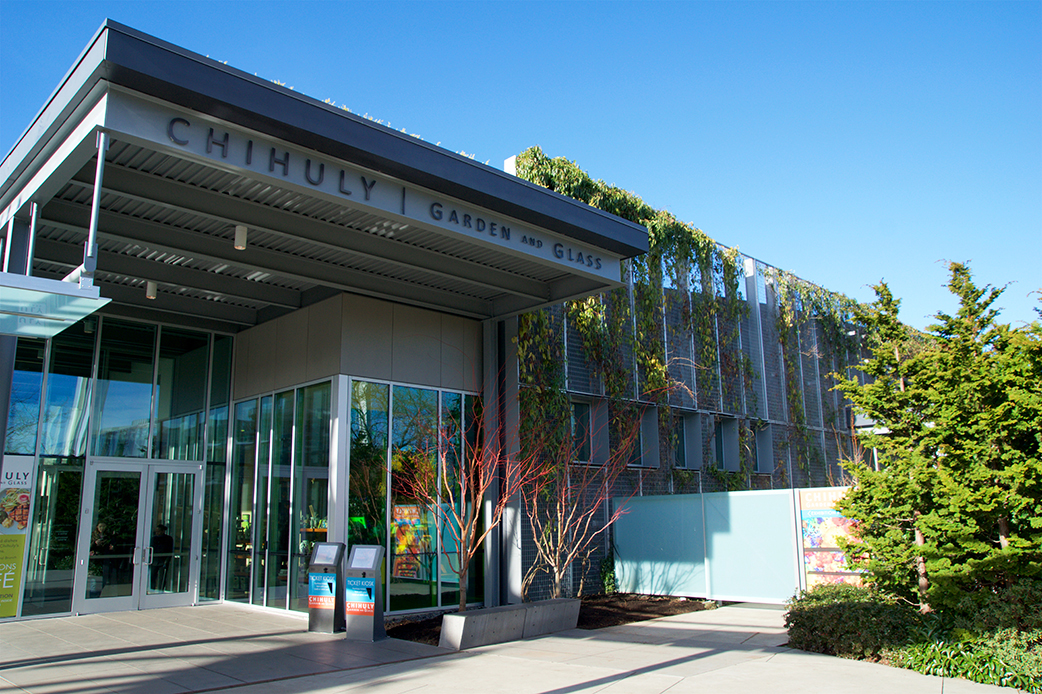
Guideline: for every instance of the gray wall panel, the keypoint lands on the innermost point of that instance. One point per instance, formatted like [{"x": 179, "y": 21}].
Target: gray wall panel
[
  {"x": 416, "y": 347},
  {"x": 324, "y": 329},
  {"x": 367, "y": 337},
  {"x": 453, "y": 364},
  {"x": 260, "y": 376},
  {"x": 291, "y": 348}
]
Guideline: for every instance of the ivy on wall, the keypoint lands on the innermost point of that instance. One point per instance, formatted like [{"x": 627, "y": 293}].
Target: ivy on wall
[
  {"x": 801, "y": 303},
  {"x": 684, "y": 267}
]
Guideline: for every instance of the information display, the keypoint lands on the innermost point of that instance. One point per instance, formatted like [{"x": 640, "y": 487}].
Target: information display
[
  {"x": 325, "y": 554},
  {"x": 363, "y": 558}
]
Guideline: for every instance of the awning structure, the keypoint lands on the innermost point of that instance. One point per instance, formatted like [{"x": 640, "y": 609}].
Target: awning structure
[
  {"x": 238, "y": 200},
  {"x": 36, "y": 307}
]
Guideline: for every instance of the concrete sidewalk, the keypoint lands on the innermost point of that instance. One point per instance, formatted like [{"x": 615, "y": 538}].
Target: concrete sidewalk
[{"x": 215, "y": 648}]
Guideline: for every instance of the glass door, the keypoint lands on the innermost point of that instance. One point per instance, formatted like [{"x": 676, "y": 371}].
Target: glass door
[
  {"x": 110, "y": 556},
  {"x": 168, "y": 560},
  {"x": 136, "y": 549}
]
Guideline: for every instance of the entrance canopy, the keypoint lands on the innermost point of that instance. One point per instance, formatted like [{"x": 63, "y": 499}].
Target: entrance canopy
[{"x": 233, "y": 200}]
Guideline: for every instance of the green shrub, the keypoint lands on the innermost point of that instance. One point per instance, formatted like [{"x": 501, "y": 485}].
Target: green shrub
[
  {"x": 1017, "y": 607},
  {"x": 1007, "y": 657},
  {"x": 848, "y": 621},
  {"x": 991, "y": 637}
]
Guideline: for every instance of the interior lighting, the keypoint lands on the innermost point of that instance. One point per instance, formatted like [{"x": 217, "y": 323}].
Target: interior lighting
[{"x": 240, "y": 237}]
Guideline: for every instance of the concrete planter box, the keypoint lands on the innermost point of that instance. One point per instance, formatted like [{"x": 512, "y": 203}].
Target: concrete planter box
[{"x": 474, "y": 628}]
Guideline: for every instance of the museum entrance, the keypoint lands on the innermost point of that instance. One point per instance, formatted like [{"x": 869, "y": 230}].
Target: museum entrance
[{"x": 139, "y": 548}]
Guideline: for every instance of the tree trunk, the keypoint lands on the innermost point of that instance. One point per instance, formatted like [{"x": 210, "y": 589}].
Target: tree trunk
[
  {"x": 920, "y": 567},
  {"x": 463, "y": 585},
  {"x": 1003, "y": 532}
]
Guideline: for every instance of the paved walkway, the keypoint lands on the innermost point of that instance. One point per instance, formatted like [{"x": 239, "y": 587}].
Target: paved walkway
[{"x": 250, "y": 651}]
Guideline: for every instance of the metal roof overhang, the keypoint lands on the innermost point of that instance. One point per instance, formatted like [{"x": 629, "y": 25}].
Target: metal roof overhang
[{"x": 333, "y": 202}]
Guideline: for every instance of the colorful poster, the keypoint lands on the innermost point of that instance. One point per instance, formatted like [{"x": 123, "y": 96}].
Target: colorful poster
[
  {"x": 359, "y": 596},
  {"x": 821, "y": 527},
  {"x": 16, "y": 483},
  {"x": 412, "y": 543},
  {"x": 320, "y": 591}
]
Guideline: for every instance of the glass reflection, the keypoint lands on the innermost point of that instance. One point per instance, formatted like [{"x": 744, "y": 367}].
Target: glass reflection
[
  {"x": 124, "y": 398},
  {"x": 64, "y": 423},
  {"x": 52, "y": 540},
  {"x": 180, "y": 402},
  {"x": 367, "y": 517},
  {"x": 310, "y": 484},
  {"x": 414, "y": 430},
  {"x": 23, "y": 417}
]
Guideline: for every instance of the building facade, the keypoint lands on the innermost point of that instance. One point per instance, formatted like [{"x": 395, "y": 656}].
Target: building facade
[{"x": 267, "y": 300}]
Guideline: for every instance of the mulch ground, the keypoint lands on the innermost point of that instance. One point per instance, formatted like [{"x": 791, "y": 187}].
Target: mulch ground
[{"x": 597, "y": 612}]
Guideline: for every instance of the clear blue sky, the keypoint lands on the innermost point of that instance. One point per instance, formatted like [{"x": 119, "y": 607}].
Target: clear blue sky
[{"x": 846, "y": 142}]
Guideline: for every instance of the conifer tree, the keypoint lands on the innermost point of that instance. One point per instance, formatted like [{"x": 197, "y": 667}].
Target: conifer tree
[{"x": 954, "y": 504}]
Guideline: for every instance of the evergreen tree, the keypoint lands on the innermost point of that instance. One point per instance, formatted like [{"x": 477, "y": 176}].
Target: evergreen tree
[{"x": 954, "y": 504}]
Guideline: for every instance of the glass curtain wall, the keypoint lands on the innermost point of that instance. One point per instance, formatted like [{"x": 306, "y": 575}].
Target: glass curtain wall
[
  {"x": 279, "y": 504},
  {"x": 389, "y": 426},
  {"x": 216, "y": 459},
  {"x": 148, "y": 401},
  {"x": 62, "y": 446}
]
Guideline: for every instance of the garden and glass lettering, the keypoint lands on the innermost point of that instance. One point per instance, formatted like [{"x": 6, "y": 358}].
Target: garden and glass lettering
[{"x": 299, "y": 167}]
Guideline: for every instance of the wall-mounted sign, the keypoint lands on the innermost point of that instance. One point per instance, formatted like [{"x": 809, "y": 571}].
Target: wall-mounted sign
[
  {"x": 232, "y": 148},
  {"x": 16, "y": 485}
]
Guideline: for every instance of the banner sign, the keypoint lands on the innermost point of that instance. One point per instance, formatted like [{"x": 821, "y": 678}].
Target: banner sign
[
  {"x": 359, "y": 596},
  {"x": 821, "y": 528},
  {"x": 16, "y": 484}
]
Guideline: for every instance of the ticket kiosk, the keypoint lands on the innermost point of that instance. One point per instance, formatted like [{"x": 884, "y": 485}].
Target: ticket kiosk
[
  {"x": 325, "y": 588},
  {"x": 363, "y": 594}
]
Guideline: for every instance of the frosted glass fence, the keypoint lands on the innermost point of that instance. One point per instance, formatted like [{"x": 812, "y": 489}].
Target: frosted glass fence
[{"x": 752, "y": 546}]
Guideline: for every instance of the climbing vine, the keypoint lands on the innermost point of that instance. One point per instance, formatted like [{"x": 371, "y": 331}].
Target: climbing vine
[
  {"x": 801, "y": 303},
  {"x": 623, "y": 333}
]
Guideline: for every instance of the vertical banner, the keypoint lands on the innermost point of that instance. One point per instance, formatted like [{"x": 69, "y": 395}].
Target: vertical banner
[
  {"x": 16, "y": 484},
  {"x": 821, "y": 526}
]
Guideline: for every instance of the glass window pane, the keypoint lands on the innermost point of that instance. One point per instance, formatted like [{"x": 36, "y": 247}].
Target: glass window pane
[
  {"x": 124, "y": 397},
  {"x": 451, "y": 447},
  {"x": 473, "y": 442},
  {"x": 279, "y": 509},
  {"x": 213, "y": 493},
  {"x": 414, "y": 533},
  {"x": 310, "y": 486},
  {"x": 240, "y": 507},
  {"x": 180, "y": 401},
  {"x": 367, "y": 515},
  {"x": 52, "y": 540},
  {"x": 261, "y": 506},
  {"x": 220, "y": 389},
  {"x": 581, "y": 431},
  {"x": 26, "y": 383},
  {"x": 213, "y": 511},
  {"x": 68, "y": 391}
]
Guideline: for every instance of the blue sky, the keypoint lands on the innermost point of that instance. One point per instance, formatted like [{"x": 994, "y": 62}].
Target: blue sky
[{"x": 846, "y": 142}]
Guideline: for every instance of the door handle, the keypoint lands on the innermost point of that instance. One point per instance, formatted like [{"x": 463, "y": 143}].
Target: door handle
[
  {"x": 135, "y": 557},
  {"x": 149, "y": 554}
]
